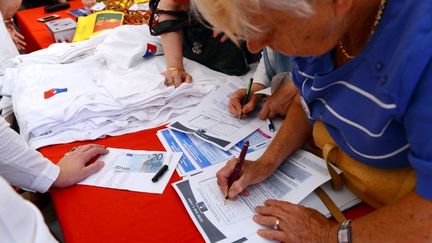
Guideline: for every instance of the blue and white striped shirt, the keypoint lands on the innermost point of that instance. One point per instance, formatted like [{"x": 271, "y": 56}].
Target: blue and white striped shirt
[{"x": 378, "y": 106}]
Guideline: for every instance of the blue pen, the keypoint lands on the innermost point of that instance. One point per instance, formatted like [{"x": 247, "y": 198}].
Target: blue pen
[{"x": 270, "y": 124}]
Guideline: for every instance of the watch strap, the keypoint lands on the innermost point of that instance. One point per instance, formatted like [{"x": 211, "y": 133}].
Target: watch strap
[{"x": 344, "y": 232}]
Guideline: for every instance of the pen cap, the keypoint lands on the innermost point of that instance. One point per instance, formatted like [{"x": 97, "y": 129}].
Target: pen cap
[
  {"x": 243, "y": 153},
  {"x": 160, "y": 173},
  {"x": 235, "y": 174}
]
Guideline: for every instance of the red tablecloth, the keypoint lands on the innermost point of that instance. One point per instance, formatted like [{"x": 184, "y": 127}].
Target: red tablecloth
[
  {"x": 36, "y": 34},
  {"x": 93, "y": 214}
]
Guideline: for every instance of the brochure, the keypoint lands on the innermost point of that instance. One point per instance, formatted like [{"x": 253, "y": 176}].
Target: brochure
[{"x": 94, "y": 23}]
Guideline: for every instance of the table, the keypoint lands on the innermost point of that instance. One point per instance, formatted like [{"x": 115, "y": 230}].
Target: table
[
  {"x": 36, "y": 34},
  {"x": 93, "y": 214}
]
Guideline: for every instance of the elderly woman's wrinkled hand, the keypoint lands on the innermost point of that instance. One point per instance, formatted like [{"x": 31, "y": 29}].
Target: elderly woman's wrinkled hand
[
  {"x": 279, "y": 102},
  {"x": 253, "y": 172},
  {"x": 235, "y": 103},
  {"x": 76, "y": 165},
  {"x": 287, "y": 222}
]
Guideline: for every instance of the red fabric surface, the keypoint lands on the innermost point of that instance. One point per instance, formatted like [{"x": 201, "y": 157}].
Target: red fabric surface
[
  {"x": 94, "y": 214},
  {"x": 36, "y": 34},
  {"x": 357, "y": 211}
]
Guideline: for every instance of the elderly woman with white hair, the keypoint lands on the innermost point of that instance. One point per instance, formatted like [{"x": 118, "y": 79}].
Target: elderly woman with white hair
[{"x": 364, "y": 71}]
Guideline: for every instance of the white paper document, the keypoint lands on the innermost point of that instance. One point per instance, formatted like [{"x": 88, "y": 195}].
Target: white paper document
[
  {"x": 266, "y": 91},
  {"x": 211, "y": 121},
  {"x": 343, "y": 198},
  {"x": 133, "y": 170},
  {"x": 198, "y": 154},
  {"x": 293, "y": 181}
]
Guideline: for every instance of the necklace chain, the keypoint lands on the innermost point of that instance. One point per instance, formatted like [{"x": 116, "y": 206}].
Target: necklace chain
[{"x": 378, "y": 17}]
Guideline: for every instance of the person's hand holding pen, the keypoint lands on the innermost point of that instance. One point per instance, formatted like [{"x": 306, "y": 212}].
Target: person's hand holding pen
[
  {"x": 275, "y": 105},
  {"x": 235, "y": 104},
  {"x": 252, "y": 172}
]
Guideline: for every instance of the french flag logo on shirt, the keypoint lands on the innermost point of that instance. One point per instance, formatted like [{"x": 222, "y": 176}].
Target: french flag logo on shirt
[
  {"x": 51, "y": 92},
  {"x": 151, "y": 50}
]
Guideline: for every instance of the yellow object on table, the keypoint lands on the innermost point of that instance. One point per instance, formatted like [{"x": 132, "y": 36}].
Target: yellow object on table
[{"x": 94, "y": 23}]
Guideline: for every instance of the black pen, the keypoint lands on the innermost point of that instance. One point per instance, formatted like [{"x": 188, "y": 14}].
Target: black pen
[
  {"x": 160, "y": 173},
  {"x": 235, "y": 174},
  {"x": 246, "y": 97},
  {"x": 270, "y": 124}
]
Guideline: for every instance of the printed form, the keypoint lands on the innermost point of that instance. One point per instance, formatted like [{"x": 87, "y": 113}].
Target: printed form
[
  {"x": 293, "y": 181},
  {"x": 198, "y": 154},
  {"x": 211, "y": 121}
]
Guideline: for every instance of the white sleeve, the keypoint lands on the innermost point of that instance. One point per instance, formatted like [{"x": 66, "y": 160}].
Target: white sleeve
[
  {"x": 8, "y": 49},
  {"x": 260, "y": 75},
  {"x": 22, "y": 166},
  {"x": 20, "y": 221}
]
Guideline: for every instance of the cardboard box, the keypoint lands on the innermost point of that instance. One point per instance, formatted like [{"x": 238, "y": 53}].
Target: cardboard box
[{"x": 63, "y": 30}]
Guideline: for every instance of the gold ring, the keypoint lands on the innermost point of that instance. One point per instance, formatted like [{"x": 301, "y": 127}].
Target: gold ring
[
  {"x": 168, "y": 82},
  {"x": 276, "y": 225}
]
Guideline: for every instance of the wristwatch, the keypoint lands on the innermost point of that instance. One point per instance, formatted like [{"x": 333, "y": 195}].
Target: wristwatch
[{"x": 344, "y": 232}]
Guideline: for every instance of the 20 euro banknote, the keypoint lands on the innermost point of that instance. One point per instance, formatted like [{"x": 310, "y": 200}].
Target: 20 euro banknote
[{"x": 149, "y": 163}]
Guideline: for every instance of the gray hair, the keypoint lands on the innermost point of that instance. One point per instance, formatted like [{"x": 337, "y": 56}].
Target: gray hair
[
  {"x": 234, "y": 17},
  {"x": 297, "y": 7}
]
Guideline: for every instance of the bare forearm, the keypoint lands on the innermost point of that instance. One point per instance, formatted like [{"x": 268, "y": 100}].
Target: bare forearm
[
  {"x": 408, "y": 220},
  {"x": 9, "y": 7},
  {"x": 172, "y": 41},
  {"x": 172, "y": 44},
  {"x": 294, "y": 132}
]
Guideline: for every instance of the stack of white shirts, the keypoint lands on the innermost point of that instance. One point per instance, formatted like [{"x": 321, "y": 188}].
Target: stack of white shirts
[
  {"x": 63, "y": 53},
  {"x": 83, "y": 90}
]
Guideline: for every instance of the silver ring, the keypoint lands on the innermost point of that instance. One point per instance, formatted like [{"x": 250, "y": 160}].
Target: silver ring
[{"x": 276, "y": 225}]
